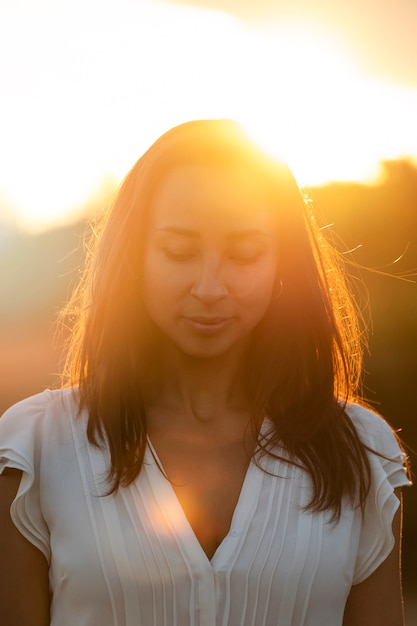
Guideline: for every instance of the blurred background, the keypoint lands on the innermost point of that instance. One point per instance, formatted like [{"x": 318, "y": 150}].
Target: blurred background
[{"x": 87, "y": 86}]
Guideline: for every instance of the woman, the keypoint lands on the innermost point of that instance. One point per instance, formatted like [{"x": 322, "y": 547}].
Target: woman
[{"x": 207, "y": 464}]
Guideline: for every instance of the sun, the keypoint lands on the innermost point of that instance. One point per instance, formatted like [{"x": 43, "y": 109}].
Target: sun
[
  {"x": 314, "y": 106},
  {"x": 85, "y": 113},
  {"x": 309, "y": 113}
]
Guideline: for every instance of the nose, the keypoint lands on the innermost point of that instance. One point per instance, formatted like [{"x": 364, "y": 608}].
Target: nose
[{"x": 208, "y": 285}]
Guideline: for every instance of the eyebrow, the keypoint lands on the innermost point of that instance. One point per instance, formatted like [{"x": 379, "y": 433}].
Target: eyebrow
[{"x": 241, "y": 234}]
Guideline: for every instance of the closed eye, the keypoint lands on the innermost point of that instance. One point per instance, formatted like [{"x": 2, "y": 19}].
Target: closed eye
[
  {"x": 245, "y": 259},
  {"x": 180, "y": 256},
  {"x": 245, "y": 252}
]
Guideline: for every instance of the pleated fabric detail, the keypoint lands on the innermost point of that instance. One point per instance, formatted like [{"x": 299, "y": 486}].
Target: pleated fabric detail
[{"x": 132, "y": 559}]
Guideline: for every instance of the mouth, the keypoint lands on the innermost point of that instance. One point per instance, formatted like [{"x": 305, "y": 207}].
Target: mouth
[{"x": 206, "y": 324}]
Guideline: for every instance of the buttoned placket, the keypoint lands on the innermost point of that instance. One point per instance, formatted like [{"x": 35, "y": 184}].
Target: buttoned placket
[{"x": 206, "y": 573}]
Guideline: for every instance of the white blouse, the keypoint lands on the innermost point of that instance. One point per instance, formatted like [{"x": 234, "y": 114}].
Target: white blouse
[{"x": 132, "y": 559}]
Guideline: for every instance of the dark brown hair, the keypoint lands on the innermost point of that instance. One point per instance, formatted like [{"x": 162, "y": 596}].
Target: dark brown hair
[{"x": 305, "y": 361}]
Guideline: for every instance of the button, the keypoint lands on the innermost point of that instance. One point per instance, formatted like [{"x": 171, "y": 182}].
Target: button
[{"x": 235, "y": 532}]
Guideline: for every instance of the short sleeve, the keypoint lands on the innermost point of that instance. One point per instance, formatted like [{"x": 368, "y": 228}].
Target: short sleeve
[
  {"x": 387, "y": 473},
  {"x": 21, "y": 440}
]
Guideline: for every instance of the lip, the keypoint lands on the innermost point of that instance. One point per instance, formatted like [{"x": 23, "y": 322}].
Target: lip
[{"x": 207, "y": 325}]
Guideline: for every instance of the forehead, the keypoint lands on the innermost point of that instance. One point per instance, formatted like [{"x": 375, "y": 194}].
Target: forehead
[{"x": 198, "y": 196}]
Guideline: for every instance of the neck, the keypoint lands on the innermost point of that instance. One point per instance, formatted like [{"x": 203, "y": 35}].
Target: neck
[{"x": 202, "y": 389}]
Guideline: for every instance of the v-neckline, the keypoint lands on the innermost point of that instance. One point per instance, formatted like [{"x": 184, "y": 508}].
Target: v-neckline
[{"x": 179, "y": 522}]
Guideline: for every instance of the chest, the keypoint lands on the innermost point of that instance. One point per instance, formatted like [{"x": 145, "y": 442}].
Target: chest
[
  {"x": 207, "y": 479},
  {"x": 136, "y": 559}
]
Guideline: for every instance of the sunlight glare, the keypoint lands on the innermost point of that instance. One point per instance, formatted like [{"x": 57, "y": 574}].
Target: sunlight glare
[
  {"x": 324, "y": 117},
  {"x": 90, "y": 87}
]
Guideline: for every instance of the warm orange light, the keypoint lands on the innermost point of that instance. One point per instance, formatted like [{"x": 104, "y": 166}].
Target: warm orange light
[
  {"x": 87, "y": 91},
  {"x": 324, "y": 115}
]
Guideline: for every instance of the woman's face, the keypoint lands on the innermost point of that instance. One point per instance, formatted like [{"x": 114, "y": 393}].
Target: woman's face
[{"x": 210, "y": 258}]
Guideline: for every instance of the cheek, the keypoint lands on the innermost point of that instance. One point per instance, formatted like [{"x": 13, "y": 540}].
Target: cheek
[
  {"x": 256, "y": 285},
  {"x": 161, "y": 286},
  {"x": 153, "y": 281},
  {"x": 156, "y": 272}
]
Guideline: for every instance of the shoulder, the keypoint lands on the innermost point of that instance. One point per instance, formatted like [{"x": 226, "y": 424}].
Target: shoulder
[
  {"x": 35, "y": 438},
  {"x": 55, "y": 399},
  {"x": 33, "y": 413},
  {"x": 388, "y": 473},
  {"x": 385, "y": 452},
  {"x": 373, "y": 429}
]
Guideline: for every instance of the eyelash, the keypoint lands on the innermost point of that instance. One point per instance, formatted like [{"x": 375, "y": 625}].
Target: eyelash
[
  {"x": 245, "y": 260},
  {"x": 240, "y": 260},
  {"x": 178, "y": 257}
]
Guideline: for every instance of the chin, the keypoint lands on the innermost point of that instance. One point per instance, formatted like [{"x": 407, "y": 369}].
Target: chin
[
  {"x": 202, "y": 354},
  {"x": 211, "y": 349}
]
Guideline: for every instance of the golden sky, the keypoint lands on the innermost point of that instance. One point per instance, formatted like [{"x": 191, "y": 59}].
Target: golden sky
[
  {"x": 381, "y": 32},
  {"x": 87, "y": 85}
]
